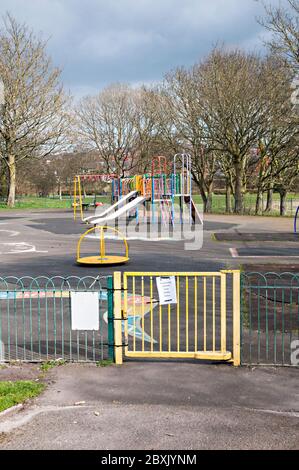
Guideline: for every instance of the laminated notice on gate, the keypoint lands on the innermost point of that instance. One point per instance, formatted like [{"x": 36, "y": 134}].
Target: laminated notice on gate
[
  {"x": 85, "y": 310},
  {"x": 166, "y": 286}
]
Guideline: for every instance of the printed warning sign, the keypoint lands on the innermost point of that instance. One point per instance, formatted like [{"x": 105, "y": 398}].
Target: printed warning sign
[
  {"x": 166, "y": 286},
  {"x": 85, "y": 310}
]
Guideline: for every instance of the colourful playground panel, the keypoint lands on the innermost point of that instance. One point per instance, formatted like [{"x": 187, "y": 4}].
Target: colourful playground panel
[{"x": 162, "y": 189}]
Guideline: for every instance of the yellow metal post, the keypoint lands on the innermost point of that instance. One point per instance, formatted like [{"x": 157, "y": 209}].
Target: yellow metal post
[
  {"x": 187, "y": 314},
  {"x": 118, "y": 355},
  {"x": 214, "y": 316},
  {"x": 75, "y": 197},
  {"x": 223, "y": 311},
  {"x": 205, "y": 313},
  {"x": 236, "y": 318},
  {"x": 102, "y": 243},
  {"x": 195, "y": 315},
  {"x": 142, "y": 313},
  {"x": 125, "y": 312},
  {"x": 151, "y": 313},
  {"x": 178, "y": 314},
  {"x": 80, "y": 198},
  {"x": 134, "y": 306}
]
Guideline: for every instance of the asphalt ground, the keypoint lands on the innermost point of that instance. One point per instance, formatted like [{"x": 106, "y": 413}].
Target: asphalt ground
[
  {"x": 35, "y": 243},
  {"x": 159, "y": 406}
]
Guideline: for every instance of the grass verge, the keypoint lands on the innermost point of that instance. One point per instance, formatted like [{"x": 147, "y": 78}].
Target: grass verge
[
  {"x": 218, "y": 203},
  {"x": 13, "y": 393},
  {"x": 50, "y": 202},
  {"x": 45, "y": 366},
  {"x": 105, "y": 363}
]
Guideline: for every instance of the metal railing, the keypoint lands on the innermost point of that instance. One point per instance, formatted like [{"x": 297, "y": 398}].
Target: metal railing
[
  {"x": 203, "y": 323},
  {"x": 36, "y": 319},
  {"x": 270, "y": 318},
  {"x": 291, "y": 204}
]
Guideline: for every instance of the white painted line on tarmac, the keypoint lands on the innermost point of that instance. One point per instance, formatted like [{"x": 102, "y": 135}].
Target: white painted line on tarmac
[
  {"x": 19, "y": 248},
  {"x": 13, "y": 233}
]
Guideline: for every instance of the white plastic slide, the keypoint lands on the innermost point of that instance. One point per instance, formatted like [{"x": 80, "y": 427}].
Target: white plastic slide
[
  {"x": 194, "y": 211},
  {"x": 118, "y": 204},
  {"x": 115, "y": 215}
]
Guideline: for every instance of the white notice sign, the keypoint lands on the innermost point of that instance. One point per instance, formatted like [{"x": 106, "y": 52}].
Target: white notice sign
[
  {"x": 85, "y": 310},
  {"x": 166, "y": 286}
]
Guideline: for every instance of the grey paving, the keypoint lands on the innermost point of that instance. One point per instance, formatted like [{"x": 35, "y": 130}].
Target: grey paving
[{"x": 160, "y": 406}]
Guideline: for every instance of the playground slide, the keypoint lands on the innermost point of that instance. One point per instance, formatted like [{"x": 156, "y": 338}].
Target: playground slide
[
  {"x": 196, "y": 217},
  {"x": 115, "y": 215},
  {"x": 117, "y": 204}
]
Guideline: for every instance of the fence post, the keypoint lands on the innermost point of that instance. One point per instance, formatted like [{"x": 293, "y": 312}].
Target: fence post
[
  {"x": 236, "y": 317},
  {"x": 118, "y": 355},
  {"x": 223, "y": 311},
  {"x": 110, "y": 318},
  {"x": 2, "y": 352}
]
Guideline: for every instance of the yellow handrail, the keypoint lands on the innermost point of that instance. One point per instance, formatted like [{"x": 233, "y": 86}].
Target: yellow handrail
[{"x": 102, "y": 239}]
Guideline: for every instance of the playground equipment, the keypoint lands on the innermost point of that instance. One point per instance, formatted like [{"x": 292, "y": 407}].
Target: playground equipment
[
  {"x": 115, "y": 206},
  {"x": 103, "y": 219},
  {"x": 162, "y": 198},
  {"x": 102, "y": 259},
  {"x": 78, "y": 203},
  {"x": 295, "y": 220},
  {"x": 157, "y": 194}
]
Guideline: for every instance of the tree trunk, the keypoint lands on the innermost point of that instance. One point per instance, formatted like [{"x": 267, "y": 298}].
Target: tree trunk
[
  {"x": 203, "y": 197},
  {"x": 269, "y": 205},
  {"x": 228, "y": 202},
  {"x": 259, "y": 202},
  {"x": 11, "y": 198},
  {"x": 208, "y": 206},
  {"x": 239, "y": 189},
  {"x": 3, "y": 182},
  {"x": 208, "y": 203},
  {"x": 283, "y": 199},
  {"x": 206, "y": 192}
]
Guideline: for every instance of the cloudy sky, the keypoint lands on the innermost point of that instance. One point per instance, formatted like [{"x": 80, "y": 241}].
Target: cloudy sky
[{"x": 97, "y": 42}]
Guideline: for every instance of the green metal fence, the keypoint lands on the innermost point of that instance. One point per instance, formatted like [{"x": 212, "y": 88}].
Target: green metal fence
[
  {"x": 36, "y": 314},
  {"x": 270, "y": 318},
  {"x": 36, "y": 319}
]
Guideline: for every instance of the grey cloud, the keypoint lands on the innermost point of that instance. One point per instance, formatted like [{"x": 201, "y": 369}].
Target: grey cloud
[{"x": 100, "y": 41}]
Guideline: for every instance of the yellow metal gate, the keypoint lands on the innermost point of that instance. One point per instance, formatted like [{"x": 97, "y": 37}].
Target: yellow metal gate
[{"x": 197, "y": 318}]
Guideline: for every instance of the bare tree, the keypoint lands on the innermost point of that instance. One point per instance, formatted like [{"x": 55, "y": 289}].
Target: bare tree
[
  {"x": 283, "y": 23},
  {"x": 278, "y": 139},
  {"x": 285, "y": 182},
  {"x": 108, "y": 122},
  {"x": 234, "y": 111},
  {"x": 33, "y": 117},
  {"x": 149, "y": 138},
  {"x": 182, "y": 126},
  {"x": 41, "y": 176}
]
